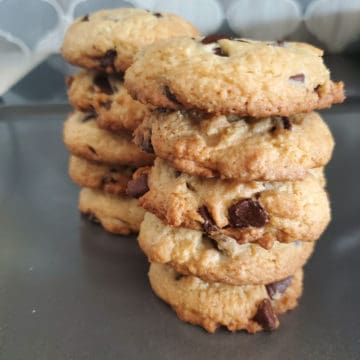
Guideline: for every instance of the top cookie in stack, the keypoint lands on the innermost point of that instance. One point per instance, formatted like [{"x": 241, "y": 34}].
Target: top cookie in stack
[
  {"x": 98, "y": 134},
  {"x": 237, "y": 189}
]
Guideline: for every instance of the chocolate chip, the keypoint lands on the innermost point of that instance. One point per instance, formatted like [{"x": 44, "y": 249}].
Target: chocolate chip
[
  {"x": 208, "y": 224},
  {"x": 91, "y": 217},
  {"x": 298, "y": 78},
  {"x": 219, "y": 51},
  {"x": 102, "y": 82},
  {"x": 108, "y": 180},
  {"x": 158, "y": 15},
  {"x": 178, "y": 276},
  {"x": 108, "y": 59},
  {"x": 265, "y": 316},
  {"x": 286, "y": 123},
  {"x": 106, "y": 105},
  {"x": 177, "y": 173},
  {"x": 88, "y": 117},
  {"x": 138, "y": 187},
  {"x": 170, "y": 95},
  {"x": 85, "y": 18},
  {"x": 247, "y": 213},
  {"x": 279, "y": 43},
  {"x": 92, "y": 149},
  {"x": 278, "y": 287},
  {"x": 145, "y": 142},
  {"x": 214, "y": 38}
]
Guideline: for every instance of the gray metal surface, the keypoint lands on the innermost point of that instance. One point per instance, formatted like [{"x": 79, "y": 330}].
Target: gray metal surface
[{"x": 68, "y": 290}]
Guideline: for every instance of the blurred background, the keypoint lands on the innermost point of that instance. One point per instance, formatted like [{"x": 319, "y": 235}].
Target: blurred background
[{"x": 31, "y": 32}]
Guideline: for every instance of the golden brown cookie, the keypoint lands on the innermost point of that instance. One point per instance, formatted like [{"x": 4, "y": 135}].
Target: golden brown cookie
[
  {"x": 220, "y": 258},
  {"x": 117, "y": 214},
  {"x": 249, "y": 307},
  {"x": 261, "y": 212},
  {"x": 241, "y": 148},
  {"x": 108, "y": 40},
  {"x": 84, "y": 138},
  {"x": 108, "y": 178},
  {"x": 218, "y": 74},
  {"x": 106, "y": 97}
]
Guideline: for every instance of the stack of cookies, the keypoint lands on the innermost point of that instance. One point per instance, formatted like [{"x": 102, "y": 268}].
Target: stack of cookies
[
  {"x": 99, "y": 133},
  {"x": 236, "y": 196}
]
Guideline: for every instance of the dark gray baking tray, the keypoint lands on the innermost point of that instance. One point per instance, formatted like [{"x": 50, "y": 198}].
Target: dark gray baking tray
[{"x": 68, "y": 290}]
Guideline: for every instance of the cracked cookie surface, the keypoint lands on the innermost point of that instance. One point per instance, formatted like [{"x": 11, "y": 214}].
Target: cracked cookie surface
[
  {"x": 219, "y": 258},
  {"x": 116, "y": 214},
  {"x": 85, "y": 139},
  {"x": 210, "y": 305},
  {"x": 261, "y": 212},
  {"x": 233, "y": 76},
  {"x": 106, "y": 97},
  {"x": 108, "y": 40},
  {"x": 242, "y": 148}
]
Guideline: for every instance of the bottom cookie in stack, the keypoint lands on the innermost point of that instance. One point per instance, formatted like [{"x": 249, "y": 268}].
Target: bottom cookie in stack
[
  {"x": 103, "y": 196},
  {"x": 248, "y": 307}
]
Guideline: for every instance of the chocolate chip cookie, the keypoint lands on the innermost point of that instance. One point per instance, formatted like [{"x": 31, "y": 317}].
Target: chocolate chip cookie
[
  {"x": 85, "y": 139},
  {"x": 105, "y": 96},
  {"x": 261, "y": 212},
  {"x": 108, "y": 40},
  {"x": 218, "y": 74},
  {"x": 242, "y": 148},
  {"x": 117, "y": 214},
  {"x": 249, "y": 307},
  {"x": 220, "y": 258},
  {"x": 108, "y": 178}
]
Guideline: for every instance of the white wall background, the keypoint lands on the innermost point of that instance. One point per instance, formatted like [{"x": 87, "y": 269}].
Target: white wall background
[{"x": 31, "y": 30}]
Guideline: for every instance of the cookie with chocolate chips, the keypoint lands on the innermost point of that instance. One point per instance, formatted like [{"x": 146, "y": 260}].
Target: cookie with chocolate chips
[
  {"x": 258, "y": 212},
  {"x": 108, "y": 40},
  {"x": 85, "y": 139},
  {"x": 242, "y": 148},
  {"x": 210, "y": 305},
  {"x": 108, "y": 178},
  {"x": 218, "y": 74},
  {"x": 222, "y": 258},
  {"x": 117, "y": 214},
  {"x": 106, "y": 97}
]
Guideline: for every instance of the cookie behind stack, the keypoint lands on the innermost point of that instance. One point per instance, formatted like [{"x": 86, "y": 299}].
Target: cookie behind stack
[
  {"x": 99, "y": 133},
  {"x": 236, "y": 196}
]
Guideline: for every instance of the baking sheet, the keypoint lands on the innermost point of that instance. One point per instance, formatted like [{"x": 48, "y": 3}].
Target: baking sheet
[{"x": 68, "y": 290}]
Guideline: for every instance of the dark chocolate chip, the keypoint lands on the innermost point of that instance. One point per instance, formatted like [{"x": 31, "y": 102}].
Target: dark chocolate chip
[
  {"x": 145, "y": 142},
  {"x": 214, "y": 38},
  {"x": 102, "y": 82},
  {"x": 265, "y": 316},
  {"x": 178, "y": 276},
  {"x": 108, "y": 59},
  {"x": 177, "y": 173},
  {"x": 220, "y": 52},
  {"x": 286, "y": 123},
  {"x": 92, "y": 149},
  {"x": 208, "y": 224},
  {"x": 138, "y": 187},
  {"x": 170, "y": 95},
  {"x": 91, "y": 217},
  {"x": 109, "y": 180},
  {"x": 278, "y": 287},
  {"x": 247, "y": 213},
  {"x": 106, "y": 105},
  {"x": 298, "y": 77},
  {"x": 279, "y": 43},
  {"x": 158, "y": 15},
  {"x": 85, "y": 18},
  {"x": 88, "y": 117}
]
